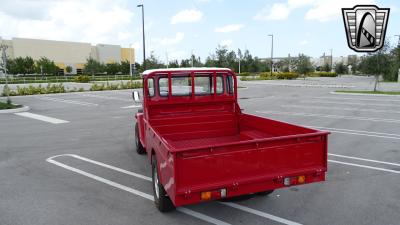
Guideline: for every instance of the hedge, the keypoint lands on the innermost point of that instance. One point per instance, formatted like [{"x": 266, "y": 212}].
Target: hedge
[
  {"x": 323, "y": 74},
  {"x": 59, "y": 88}
]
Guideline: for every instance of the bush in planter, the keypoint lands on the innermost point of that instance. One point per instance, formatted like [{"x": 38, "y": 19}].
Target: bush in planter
[
  {"x": 244, "y": 74},
  {"x": 82, "y": 79},
  {"x": 323, "y": 74},
  {"x": 279, "y": 76}
]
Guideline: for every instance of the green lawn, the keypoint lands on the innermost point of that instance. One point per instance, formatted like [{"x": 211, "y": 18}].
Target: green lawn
[
  {"x": 4, "y": 105},
  {"x": 372, "y": 92}
]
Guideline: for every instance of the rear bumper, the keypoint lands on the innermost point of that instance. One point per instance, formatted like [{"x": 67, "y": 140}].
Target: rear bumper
[{"x": 248, "y": 187}]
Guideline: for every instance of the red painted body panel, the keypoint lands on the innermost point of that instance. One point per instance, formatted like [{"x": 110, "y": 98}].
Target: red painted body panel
[{"x": 205, "y": 143}]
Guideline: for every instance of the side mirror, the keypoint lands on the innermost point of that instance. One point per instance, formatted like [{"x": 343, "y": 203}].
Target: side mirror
[{"x": 135, "y": 96}]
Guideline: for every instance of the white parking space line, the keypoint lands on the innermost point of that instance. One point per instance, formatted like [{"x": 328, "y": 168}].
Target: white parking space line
[
  {"x": 259, "y": 213},
  {"x": 341, "y": 108},
  {"x": 358, "y": 132},
  {"x": 41, "y": 117},
  {"x": 364, "y": 159},
  {"x": 364, "y": 166},
  {"x": 108, "y": 166},
  {"x": 201, "y": 216},
  {"x": 134, "y": 191},
  {"x": 361, "y": 94},
  {"x": 243, "y": 208},
  {"x": 109, "y": 182},
  {"x": 131, "y": 106},
  {"x": 306, "y": 85},
  {"x": 106, "y": 97},
  {"x": 350, "y": 103},
  {"x": 67, "y": 101},
  {"x": 331, "y": 116},
  {"x": 361, "y": 99}
]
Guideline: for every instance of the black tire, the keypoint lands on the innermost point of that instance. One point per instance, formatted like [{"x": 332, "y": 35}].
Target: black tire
[
  {"x": 161, "y": 199},
  {"x": 139, "y": 147},
  {"x": 265, "y": 193}
]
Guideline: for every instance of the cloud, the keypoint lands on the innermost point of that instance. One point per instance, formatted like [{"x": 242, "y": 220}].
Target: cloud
[
  {"x": 323, "y": 11},
  {"x": 320, "y": 10},
  {"x": 278, "y": 11},
  {"x": 226, "y": 43},
  {"x": 187, "y": 16},
  {"x": 93, "y": 21},
  {"x": 169, "y": 41},
  {"x": 229, "y": 28},
  {"x": 303, "y": 42}
]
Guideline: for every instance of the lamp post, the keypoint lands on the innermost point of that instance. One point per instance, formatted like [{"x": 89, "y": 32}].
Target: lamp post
[
  {"x": 3, "y": 48},
  {"x": 331, "y": 60},
  {"x": 130, "y": 60},
  {"x": 144, "y": 44},
  {"x": 272, "y": 51}
]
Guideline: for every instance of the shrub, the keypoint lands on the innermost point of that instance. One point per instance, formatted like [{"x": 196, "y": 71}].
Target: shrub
[
  {"x": 97, "y": 87},
  {"x": 82, "y": 79},
  {"x": 244, "y": 74},
  {"x": 279, "y": 76},
  {"x": 323, "y": 74}
]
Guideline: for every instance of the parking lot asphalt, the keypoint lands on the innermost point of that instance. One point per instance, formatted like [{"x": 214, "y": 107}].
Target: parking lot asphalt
[{"x": 71, "y": 160}]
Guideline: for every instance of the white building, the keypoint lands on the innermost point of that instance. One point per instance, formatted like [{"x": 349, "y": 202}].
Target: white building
[{"x": 65, "y": 53}]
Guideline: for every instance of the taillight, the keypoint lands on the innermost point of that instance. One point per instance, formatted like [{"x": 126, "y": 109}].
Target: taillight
[{"x": 216, "y": 194}]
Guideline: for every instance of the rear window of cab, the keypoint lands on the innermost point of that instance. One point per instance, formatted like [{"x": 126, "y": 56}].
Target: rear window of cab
[{"x": 182, "y": 85}]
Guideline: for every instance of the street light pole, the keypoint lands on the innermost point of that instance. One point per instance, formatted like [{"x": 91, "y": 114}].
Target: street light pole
[
  {"x": 144, "y": 44},
  {"x": 272, "y": 51},
  {"x": 331, "y": 60},
  {"x": 4, "y": 59},
  {"x": 130, "y": 60},
  {"x": 239, "y": 64}
]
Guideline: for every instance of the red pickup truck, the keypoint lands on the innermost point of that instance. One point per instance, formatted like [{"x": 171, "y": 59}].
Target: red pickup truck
[{"x": 203, "y": 147}]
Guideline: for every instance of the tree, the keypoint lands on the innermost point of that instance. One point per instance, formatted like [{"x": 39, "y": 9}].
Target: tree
[
  {"x": 125, "y": 67},
  {"x": 303, "y": 64},
  {"x": 46, "y": 66},
  {"x": 93, "y": 67},
  {"x": 340, "y": 68},
  {"x": 380, "y": 63},
  {"x": 28, "y": 65},
  {"x": 186, "y": 63},
  {"x": 153, "y": 62},
  {"x": 12, "y": 67},
  {"x": 326, "y": 67},
  {"x": 68, "y": 69},
  {"x": 21, "y": 65},
  {"x": 173, "y": 64},
  {"x": 113, "y": 68},
  {"x": 137, "y": 68}
]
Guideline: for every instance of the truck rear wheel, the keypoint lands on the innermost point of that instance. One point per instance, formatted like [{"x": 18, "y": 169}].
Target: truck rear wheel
[
  {"x": 139, "y": 147},
  {"x": 161, "y": 199}
]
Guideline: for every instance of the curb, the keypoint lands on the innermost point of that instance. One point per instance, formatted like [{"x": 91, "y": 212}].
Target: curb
[
  {"x": 22, "y": 109},
  {"x": 361, "y": 94}
]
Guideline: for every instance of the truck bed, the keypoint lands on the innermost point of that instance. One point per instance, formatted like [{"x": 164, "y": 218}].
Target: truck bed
[{"x": 230, "y": 132}]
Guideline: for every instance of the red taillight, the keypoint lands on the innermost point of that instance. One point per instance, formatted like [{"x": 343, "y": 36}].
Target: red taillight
[{"x": 216, "y": 194}]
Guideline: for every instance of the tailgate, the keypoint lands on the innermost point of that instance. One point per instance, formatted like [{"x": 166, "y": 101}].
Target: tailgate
[{"x": 252, "y": 161}]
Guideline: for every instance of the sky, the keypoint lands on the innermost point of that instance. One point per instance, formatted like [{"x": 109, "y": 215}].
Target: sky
[{"x": 177, "y": 28}]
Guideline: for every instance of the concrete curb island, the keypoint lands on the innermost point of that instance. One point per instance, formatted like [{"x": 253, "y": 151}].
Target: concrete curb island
[{"x": 22, "y": 109}]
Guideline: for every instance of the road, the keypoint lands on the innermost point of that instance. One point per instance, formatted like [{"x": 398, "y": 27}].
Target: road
[{"x": 72, "y": 160}]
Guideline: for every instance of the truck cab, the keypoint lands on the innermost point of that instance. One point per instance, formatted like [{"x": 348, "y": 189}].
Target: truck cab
[{"x": 202, "y": 146}]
